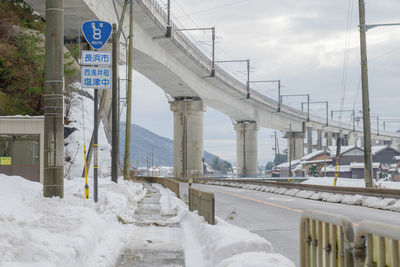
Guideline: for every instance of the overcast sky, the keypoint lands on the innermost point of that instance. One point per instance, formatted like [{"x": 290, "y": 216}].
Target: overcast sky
[{"x": 300, "y": 42}]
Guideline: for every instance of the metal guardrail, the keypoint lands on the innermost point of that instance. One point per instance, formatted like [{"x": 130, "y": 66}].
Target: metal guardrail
[
  {"x": 374, "y": 192},
  {"x": 204, "y": 203},
  {"x": 377, "y": 244},
  {"x": 325, "y": 240}
]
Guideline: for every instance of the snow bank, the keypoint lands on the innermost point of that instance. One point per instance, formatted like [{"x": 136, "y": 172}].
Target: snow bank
[
  {"x": 350, "y": 182},
  {"x": 72, "y": 231},
  {"x": 209, "y": 245},
  {"x": 256, "y": 259},
  {"x": 371, "y": 202}
]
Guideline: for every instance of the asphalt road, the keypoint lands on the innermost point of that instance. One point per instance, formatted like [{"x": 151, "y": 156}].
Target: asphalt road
[{"x": 277, "y": 217}]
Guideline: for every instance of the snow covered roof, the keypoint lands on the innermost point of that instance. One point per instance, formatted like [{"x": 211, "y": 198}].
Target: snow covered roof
[
  {"x": 328, "y": 161},
  {"x": 286, "y": 164},
  {"x": 360, "y": 165},
  {"x": 396, "y": 157},
  {"x": 377, "y": 149},
  {"x": 341, "y": 168},
  {"x": 314, "y": 154},
  {"x": 343, "y": 149}
]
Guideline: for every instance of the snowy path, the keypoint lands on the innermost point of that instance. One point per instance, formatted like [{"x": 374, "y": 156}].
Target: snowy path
[{"x": 155, "y": 242}]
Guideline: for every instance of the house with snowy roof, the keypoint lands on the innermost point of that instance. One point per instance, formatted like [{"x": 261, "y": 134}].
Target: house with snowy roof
[
  {"x": 385, "y": 154},
  {"x": 353, "y": 170}
]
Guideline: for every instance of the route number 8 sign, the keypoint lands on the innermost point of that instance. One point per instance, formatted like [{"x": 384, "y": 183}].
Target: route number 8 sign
[{"x": 97, "y": 33}]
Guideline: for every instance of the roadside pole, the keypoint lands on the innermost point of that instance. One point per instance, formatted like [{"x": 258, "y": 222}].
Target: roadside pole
[
  {"x": 115, "y": 109},
  {"x": 53, "y": 173},
  {"x": 129, "y": 98},
  {"x": 365, "y": 97},
  {"x": 95, "y": 146},
  {"x": 96, "y": 74}
]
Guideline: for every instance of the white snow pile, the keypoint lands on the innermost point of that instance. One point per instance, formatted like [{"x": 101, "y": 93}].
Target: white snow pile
[
  {"x": 71, "y": 231},
  {"x": 371, "y": 202},
  {"x": 221, "y": 244}
]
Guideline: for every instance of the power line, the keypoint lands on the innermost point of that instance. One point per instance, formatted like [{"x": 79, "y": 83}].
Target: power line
[
  {"x": 213, "y": 8},
  {"x": 346, "y": 55}
]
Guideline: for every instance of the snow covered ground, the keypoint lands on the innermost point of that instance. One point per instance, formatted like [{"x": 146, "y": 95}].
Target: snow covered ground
[{"x": 74, "y": 231}]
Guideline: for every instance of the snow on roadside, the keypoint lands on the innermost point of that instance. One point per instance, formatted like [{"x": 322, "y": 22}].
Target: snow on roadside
[
  {"x": 71, "y": 231},
  {"x": 348, "y": 182},
  {"x": 225, "y": 244},
  {"x": 256, "y": 259},
  {"x": 371, "y": 202}
]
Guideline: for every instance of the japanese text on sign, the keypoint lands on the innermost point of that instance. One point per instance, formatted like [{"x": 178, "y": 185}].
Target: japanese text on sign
[
  {"x": 96, "y": 57},
  {"x": 96, "y": 77}
]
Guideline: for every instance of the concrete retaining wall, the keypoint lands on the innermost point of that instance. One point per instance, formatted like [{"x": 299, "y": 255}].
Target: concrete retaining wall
[{"x": 204, "y": 203}]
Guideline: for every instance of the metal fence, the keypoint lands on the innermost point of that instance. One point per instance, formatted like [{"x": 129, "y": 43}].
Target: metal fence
[
  {"x": 325, "y": 240},
  {"x": 328, "y": 240},
  {"x": 377, "y": 244}
]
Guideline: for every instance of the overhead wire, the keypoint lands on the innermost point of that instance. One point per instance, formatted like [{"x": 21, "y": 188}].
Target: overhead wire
[
  {"x": 214, "y": 8},
  {"x": 221, "y": 50},
  {"x": 350, "y": 5}
]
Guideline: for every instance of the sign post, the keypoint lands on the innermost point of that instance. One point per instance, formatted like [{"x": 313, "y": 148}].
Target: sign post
[{"x": 94, "y": 77}]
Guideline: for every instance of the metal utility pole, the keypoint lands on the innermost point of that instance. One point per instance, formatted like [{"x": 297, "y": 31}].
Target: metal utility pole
[
  {"x": 248, "y": 72},
  {"x": 212, "y": 29},
  {"x": 95, "y": 146},
  {"x": 129, "y": 97},
  {"x": 319, "y": 102},
  {"x": 275, "y": 143},
  {"x": 346, "y": 110},
  {"x": 368, "y": 172},
  {"x": 53, "y": 173},
  {"x": 297, "y": 95},
  {"x": 271, "y": 81},
  {"x": 115, "y": 106},
  {"x": 290, "y": 150},
  {"x": 169, "y": 30}
]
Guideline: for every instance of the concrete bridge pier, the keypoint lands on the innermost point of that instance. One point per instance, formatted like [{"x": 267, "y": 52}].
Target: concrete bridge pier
[
  {"x": 188, "y": 136},
  {"x": 328, "y": 136},
  {"x": 246, "y": 148},
  {"x": 309, "y": 140},
  {"x": 353, "y": 139},
  {"x": 295, "y": 141},
  {"x": 319, "y": 139}
]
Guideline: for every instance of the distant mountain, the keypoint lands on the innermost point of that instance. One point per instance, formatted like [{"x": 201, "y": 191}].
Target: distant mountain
[{"x": 143, "y": 141}]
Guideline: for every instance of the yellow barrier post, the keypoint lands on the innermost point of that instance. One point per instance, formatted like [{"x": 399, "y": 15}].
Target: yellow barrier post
[{"x": 86, "y": 185}]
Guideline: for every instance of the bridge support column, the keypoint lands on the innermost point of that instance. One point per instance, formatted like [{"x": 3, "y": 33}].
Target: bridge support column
[
  {"x": 246, "y": 148},
  {"x": 373, "y": 142},
  {"x": 295, "y": 141},
  {"x": 188, "y": 137},
  {"x": 319, "y": 140},
  {"x": 328, "y": 138},
  {"x": 309, "y": 140},
  {"x": 353, "y": 138}
]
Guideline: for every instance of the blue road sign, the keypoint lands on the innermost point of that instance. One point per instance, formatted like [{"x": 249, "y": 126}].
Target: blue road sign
[
  {"x": 96, "y": 33},
  {"x": 96, "y": 77}
]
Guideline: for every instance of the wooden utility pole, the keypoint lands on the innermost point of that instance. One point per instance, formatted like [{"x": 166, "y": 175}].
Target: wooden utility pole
[
  {"x": 115, "y": 107},
  {"x": 368, "y": 172},
  {"x": 53, "y": 173},
  {"x": 129, "y": 97}
]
